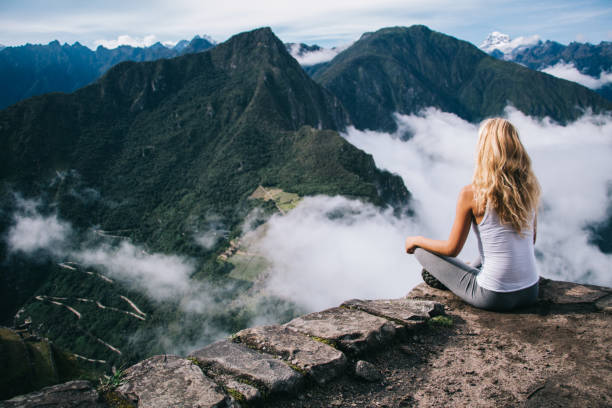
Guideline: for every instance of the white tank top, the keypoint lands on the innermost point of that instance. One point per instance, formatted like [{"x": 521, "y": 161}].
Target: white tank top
[{"x": 508, "y": 260}]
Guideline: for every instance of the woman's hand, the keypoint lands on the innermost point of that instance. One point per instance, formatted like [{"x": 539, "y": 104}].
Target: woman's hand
[{"x": 412, "y": 243}]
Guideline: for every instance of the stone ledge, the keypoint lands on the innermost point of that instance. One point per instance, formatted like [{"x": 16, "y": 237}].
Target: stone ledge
[
  {"x": 240, "y": 361},
  {"x": 320, "y": 361},
  {"x": 353, "y": 331},
  {"x": 170, "y": 381}
]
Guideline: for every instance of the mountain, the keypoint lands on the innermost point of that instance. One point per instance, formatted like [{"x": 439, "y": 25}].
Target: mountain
[
  {"x": 149, "y": 152},
  {"x": 30, "y": 70},
  {"x": 405, "y": 69},
  {"x": 584, "y": 63},
  {"x": 502, "y": 46}
]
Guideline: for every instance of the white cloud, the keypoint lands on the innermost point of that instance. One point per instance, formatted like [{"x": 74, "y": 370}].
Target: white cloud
[
  {"x": 214, "y": 230},
  {"x": 161, "y": 276},
  {"x": 572, "y": 163},
  {"x": 330, "y": 249},
  {"x": 125, "y": 39},
  {"x": 316, "y": 57},
  {"x": 571, "y": 73},
  {"x": 33, "y": 232}
]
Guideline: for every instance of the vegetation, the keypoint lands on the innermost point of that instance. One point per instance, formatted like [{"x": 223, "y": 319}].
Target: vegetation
[
  {"x": 406, "y": 69},
  {"x": 31, "y": 363},
  {"x": 149, "y": 153}
]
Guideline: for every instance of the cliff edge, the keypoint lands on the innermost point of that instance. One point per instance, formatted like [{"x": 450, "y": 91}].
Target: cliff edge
[{"x": 427, "y": 349}]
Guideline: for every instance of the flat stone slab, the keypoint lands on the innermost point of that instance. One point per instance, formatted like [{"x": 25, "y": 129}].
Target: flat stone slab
[
  {"x": 242, "y": 362},
  {"x": 71, "y": 394},
  {"x": 249, "y": 393},
  {"x": 170, "y": 381},
  {"x": 317, "y": 359},
  {"x": 351, "y": 330},
  {"x": 604, "y": 304},
  {"x": 407, "y": 312},
  {"x": 570, "y": 293}
]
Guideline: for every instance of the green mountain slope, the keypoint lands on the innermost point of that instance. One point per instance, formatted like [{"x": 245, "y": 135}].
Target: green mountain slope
[
  {"x": 405, "y": 69},
  {"x": 172, "y": 139},
  {"x": 151, "y": 151}
]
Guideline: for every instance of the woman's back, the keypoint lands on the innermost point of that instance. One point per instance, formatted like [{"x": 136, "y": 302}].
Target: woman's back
[{"x": 508, "y": 260}]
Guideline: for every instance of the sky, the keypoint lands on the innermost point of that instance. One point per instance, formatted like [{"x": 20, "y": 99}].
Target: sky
[{"x": 327, "y": 23}]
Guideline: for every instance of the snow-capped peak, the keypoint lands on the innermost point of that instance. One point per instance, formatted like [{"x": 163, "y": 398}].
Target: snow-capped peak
[{"x": 507, "y": 46}]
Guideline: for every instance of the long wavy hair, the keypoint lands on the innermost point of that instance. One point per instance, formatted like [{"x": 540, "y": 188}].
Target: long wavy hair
[{"x": 503, "y": 178}]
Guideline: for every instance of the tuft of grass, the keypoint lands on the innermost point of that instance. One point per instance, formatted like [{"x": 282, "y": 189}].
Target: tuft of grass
[
  {"x": 237, "y": 395},
  {"x": 440, "y": 321},
  {"x": 325, "y": 341},
  {"x": 110, "y": 382}
]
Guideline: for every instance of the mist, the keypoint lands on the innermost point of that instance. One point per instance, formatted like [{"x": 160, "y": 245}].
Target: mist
[
  {"x": 571, "y": 73},
  {"x": 571, "y": 162},
  {"x": 329, "y": 249}
]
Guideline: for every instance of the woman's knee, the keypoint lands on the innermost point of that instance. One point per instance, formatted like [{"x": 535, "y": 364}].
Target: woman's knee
[{"x": 422, "y": 255}]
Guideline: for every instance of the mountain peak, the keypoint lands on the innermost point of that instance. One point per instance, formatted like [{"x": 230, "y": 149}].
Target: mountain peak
[{"x": 506, "y": 45}]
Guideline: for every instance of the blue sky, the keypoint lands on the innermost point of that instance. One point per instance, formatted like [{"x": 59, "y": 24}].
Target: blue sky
[{"x": 323, "y": 22}]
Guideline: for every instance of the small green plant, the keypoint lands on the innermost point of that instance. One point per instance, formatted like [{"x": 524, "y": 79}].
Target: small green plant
[
  {"x": 443, "y": 321},
  {"x": 325, "y": 341},
  {"x": 237, "y": 395},
  {"x": 110, "y": 382}
]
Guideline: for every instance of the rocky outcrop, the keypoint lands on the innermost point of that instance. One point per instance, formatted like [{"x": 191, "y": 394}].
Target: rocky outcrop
[
  {"x": 555, "y": 353},
  {"x": 73, "y": 394},
  {"x": 169, "y": 381}
]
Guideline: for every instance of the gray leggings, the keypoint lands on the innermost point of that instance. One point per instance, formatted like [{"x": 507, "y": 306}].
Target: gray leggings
[{"x": 460, "y": 278}]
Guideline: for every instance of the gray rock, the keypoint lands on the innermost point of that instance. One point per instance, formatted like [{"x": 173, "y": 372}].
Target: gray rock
[
  {"x": 248, "y": 392},
  {"x": 170, "y": 381},
  {"x": 79, "y": 394},
  {"x": 570, "y": 293},
  {"x": 320, "y": 361},
  {"x": 367, "y": 371},
  {"x": 351, "y": 330},
  {"x": 604, "y": 304},
  {"x": 407, "y": 312},
  {"x": 264, "y": 369}
]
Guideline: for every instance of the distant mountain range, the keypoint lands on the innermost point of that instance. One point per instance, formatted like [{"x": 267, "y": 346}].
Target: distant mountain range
[
  {"x": 31, "y": 70},
  {"x": 573, "y": 62}
]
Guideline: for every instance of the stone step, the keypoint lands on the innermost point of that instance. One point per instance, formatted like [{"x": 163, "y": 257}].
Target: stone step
[
  {"x": 72, "y": 394},
  {"x": 405, "y": 312},
  {"x": 170, "y": 381},
  {"x": 262, "y": 369},
  {"x": 319, "y": 360},
  {"x": 350, "y": 330}
]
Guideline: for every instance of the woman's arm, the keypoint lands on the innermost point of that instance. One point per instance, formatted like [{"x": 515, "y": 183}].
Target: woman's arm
[{"x": 459, "y": 232}]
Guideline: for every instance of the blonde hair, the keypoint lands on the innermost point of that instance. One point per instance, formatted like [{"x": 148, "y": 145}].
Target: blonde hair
[{"x": 503, "y": 178}]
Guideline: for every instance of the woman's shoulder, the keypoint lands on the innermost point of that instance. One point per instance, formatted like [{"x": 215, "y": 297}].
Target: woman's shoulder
[
  {"x": 467, "y": 193},
  {"x": 467, "y": 197}
]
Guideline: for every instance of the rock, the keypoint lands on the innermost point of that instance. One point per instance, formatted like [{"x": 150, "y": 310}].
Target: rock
[
  {"x": 604, "y": 304},
  {"x": 407, "y": 312},
  {"x": 353, "y": 331},
  {"x": 238, "y": 360},
  {"x": 71, "y": 394},
  {"x": 569, "y": 293},
  {"x": 248, "y": 393},
  {"x": 367, "y": 371},
  {"x": 169, "y": 381},
  {"x": 320, "y": 361}
]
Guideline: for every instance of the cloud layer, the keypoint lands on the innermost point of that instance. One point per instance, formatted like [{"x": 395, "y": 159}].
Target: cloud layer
[
  {"x": 572, "y": 164},
  {"x": 571, "y": 73}
]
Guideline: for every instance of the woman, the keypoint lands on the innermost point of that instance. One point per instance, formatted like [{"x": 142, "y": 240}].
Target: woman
[{"x": 501, "y": 205}]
